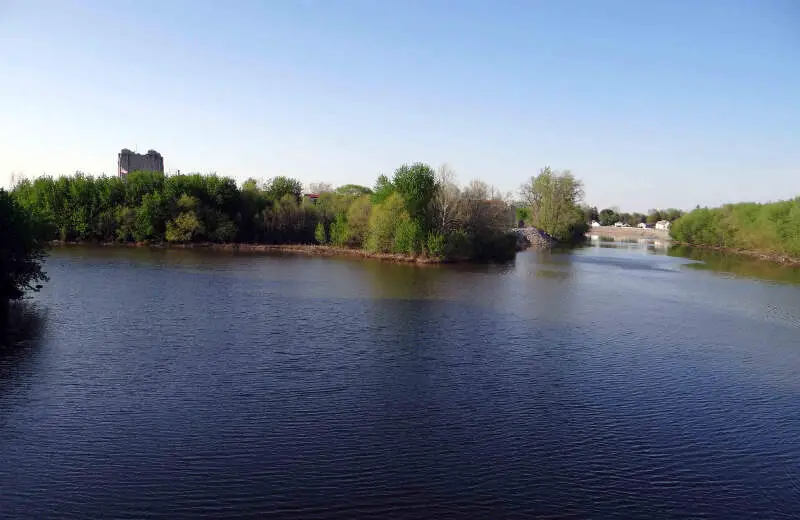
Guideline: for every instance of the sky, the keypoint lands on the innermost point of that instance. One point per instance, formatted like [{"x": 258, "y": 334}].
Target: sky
[{"x": 649, "y": 103}]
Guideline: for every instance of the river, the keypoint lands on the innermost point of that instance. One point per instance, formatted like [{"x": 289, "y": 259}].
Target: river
[{"x": 613, "y": 381}]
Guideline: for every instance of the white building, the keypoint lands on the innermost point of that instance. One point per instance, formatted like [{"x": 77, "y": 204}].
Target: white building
[{"x": 663, "y": 225}]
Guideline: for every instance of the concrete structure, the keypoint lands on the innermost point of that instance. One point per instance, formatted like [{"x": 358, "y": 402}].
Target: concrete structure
[{"x": 128, "y": 161}]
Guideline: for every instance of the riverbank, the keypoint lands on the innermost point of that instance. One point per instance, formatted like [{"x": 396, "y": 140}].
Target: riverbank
[{"x": 300, "y": 249}]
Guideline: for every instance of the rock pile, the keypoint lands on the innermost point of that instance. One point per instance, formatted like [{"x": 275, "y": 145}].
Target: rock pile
[{"x": 532, "y": 238}]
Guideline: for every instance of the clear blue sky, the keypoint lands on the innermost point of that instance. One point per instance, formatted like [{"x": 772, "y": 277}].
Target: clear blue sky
[{"x": 650, "y": 103}]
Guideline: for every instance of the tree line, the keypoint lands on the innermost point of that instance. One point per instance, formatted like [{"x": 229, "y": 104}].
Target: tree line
[
  {"x": 610, "y": 216},
  {"x": 417, "y": 211},
  {"x": 772, "y": 228}
]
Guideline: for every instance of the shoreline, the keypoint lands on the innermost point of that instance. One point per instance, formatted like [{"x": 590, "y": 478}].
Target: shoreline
[
  {"x": 630, "y": 232},
  {"x": 299, "y": 249}
]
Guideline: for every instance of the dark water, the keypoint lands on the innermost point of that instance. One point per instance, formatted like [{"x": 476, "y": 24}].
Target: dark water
[{"x": 608, "y": 382}]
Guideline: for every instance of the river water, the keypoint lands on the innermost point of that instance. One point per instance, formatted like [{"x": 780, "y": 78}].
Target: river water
[{"x": 614, "y": 381}]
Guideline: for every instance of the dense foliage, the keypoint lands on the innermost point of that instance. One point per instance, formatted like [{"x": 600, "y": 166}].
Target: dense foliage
[
  {"x": 21, "y": 251},
  {"x": 412, "y": 213},
  {"x": 554, "y": 200},
  {"x": 768, "y": 228}
]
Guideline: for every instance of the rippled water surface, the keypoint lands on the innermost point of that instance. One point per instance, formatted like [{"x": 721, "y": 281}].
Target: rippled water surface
[{"x": 606, "y": 382}]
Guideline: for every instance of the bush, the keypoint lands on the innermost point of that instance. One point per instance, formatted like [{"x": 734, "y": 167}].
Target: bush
[
  {"x": 358, "y": 221},
  {"x": 436, "y": 245},
  {"x": 319, "y": 233},
  {"x": 339, "y": 231},
  {"x": 184, "y": 228},
  {"x": 383, "y": 223},
  {"x": 407, "y": 237}
]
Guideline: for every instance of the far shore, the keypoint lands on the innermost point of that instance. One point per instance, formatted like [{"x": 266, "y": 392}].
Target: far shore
[
  {"x": 638, "y": 233},
  {"x": 629, "y": 232}
]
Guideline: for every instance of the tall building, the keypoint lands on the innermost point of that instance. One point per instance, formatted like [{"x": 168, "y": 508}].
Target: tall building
[{"x": 128, "y": 161}]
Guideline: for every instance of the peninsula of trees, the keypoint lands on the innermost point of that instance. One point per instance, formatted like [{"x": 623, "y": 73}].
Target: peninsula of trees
[{"x": 417, "y": 211}]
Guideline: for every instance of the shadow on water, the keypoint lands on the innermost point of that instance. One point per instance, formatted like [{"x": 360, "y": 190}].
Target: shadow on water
[
  {"x": 21, "y": 329},
  {"x": 21, "y": 326},
  {"x": 737, "y": 265}
]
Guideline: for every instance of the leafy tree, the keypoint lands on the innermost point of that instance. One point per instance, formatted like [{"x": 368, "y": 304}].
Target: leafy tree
[
  {"x": 358, "y": 216},
  {"x": 554, "y": 199},
  {"x": 383, "y": 222},
  {"x": 383, "y": 189},
  {"x": 339, "y": 231},
  {"x": 279, "y": 187},
  {"x": 608, "y": 217},
  {"x": 184, "y": 227},
  {"x": 590, "y": 213},
  {"x": 21, "y": 251},
  {"x": 417, "y": 185}
]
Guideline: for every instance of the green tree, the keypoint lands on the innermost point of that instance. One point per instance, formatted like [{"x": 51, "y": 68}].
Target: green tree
[
  {"x": 358, "y": 221},
  {"x": 184, "y": 228},
  {"x": 383, "y": 223},
  {"x": 21, "y": 251},
  {"x": 279, "y": 188},
  {"x": 339, "y": 230},
  {"x": 417, "y": 185},
  {"x": 608, "y": 217},
  {"x": 383, "y": 189},
  {"x": 554, "y": 199}
]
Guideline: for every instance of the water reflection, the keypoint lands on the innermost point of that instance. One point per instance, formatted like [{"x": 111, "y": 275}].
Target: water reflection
[{"x": 738, "y": 265}]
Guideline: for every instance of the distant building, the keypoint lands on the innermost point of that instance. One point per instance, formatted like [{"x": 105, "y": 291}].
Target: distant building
[{"x": 128, "y": 161}]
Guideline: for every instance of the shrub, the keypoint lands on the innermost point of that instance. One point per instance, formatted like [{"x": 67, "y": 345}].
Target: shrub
[
  {"x": 407, "y": 237},
  {"x": 383, "y": 223},
  {"x": 436, "y": 245},
  {"x": 319, "y": 233},
  {"x": 339, "y": 231}
]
